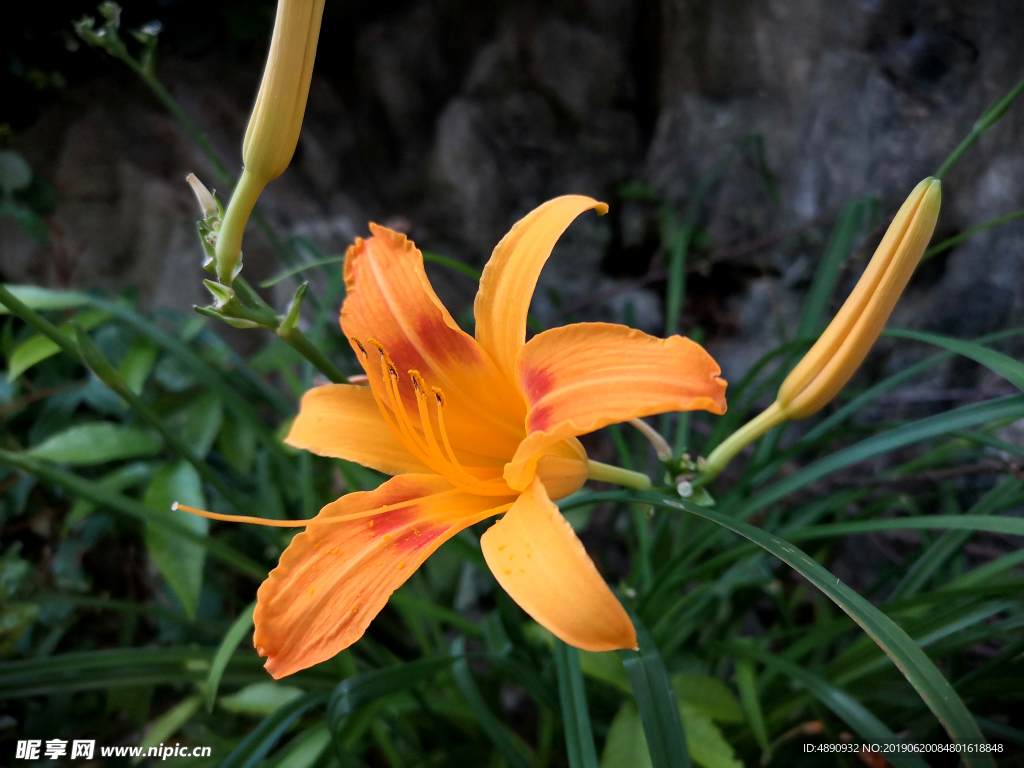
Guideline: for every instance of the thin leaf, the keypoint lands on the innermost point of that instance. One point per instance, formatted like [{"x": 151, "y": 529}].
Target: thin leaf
[
  {"x": 827, "y": 275},
  {"x": 579, "y": 738},
  {"x": 1010, "y": 369},
  {"x": 238, "y": 631},
  {"x": 514, "y": 751},
  {"x": 179, "y": 560},
  {"x": 44, "y": 299},
  {"x": 37, "y": 348},
  {"x": 908, "y": 657},
  {"x": 746, "y": 681},
  {"x": 656, "y": 701},
  {"x": 167, "y": 725},
  {"x": 1005, "y": 408},
  {"x": 255, "y": 746},
  {"x": 844, "y": 706},
  {"x": 117, "y": 502},
  {"x": 97, "y": 443}
]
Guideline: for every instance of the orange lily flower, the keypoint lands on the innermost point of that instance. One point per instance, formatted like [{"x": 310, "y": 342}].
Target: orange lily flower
[{"x": 470, "y": 428}]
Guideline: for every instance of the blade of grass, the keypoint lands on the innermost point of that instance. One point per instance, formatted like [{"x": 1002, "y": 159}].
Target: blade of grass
[
  {"x": 514, "y": 751},
  {"x": 227, "y": 649},
  {"x": 258, "y": 743},
  {"x": 990, "y": 117},
  {"x": 1009, "y": 408},
  {"x": 656, "y": 700},
  {"x": 827, "y": 275},
  {"x": 951, "y": 242},
  {"x": 132, "y": 508},
  {"x": 920, "y": 671},
  {"x": 1010, "y": 369},
  {"x": 750, "y": 701},
  {"x": 579, "y": 738}
]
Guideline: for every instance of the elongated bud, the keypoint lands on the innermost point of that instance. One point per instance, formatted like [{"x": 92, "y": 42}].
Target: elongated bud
[
  {"x": 839, "y": 351},
  {"x": 275, "y": 123}
]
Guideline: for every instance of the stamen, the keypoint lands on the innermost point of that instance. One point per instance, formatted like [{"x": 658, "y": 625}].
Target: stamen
[
  {"x": 270, "y": 523},
  {"x": 362, "y": 349}
]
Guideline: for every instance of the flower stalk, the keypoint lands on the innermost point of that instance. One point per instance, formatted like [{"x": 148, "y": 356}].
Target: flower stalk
[
  {"x": 839, "y": 351},
  {"x": 606, "y": 473},
  {"x": 276, "y": 120}
]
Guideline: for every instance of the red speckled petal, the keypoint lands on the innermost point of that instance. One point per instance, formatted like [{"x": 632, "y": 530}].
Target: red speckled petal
[
  {"x": 390, "y": 300},
  {"x": 335, "y": 577},
  {"x": 579, "y": 378}
]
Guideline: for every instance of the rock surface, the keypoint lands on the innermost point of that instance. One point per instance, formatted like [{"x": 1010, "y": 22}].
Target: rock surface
[{"x": 455, "y": 119}]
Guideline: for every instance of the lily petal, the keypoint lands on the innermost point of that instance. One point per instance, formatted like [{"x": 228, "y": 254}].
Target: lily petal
[
  {"x": 510, "y": 277},
  {"x": 581, "y": 377},
  {"x": 390, "y": 301},
  {"x": 335, "y": 577},
  {"x": 344, "y": 422},
  {"x": 537, "y": 558}
]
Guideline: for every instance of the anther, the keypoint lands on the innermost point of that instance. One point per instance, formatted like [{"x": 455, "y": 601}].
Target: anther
[
  {"x": 362, "y": 349},
  {"x": 439, "y": 396}
]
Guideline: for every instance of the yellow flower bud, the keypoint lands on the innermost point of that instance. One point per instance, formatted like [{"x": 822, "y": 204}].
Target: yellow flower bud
[
  {"x": 206, "y": 200},
  {"x": 275, "y": 123},
  {"x": 839, "y": 351}
]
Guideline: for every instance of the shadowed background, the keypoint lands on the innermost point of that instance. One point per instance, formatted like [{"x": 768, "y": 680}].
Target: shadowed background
[{"x": 451, "y": 119}]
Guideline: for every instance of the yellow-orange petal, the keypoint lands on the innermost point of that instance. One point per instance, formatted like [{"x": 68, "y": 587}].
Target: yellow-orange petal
[
  {"x": 344, "y": 422},
  {"x": 582, "y": 377},
  {"x": 510, "y": 277},
  {"x": 390, "y": 301},
  {"x": 333, "y": 579},
  {"x": 537, "y": 558}
]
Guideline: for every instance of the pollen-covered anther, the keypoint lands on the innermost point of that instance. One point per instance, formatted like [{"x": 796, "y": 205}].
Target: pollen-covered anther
[
  {"x": 438, "y": 396},
  {"x": 362, "y": 349}
]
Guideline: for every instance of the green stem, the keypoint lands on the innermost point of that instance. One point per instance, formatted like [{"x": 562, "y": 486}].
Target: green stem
[
  {"x": 97, "y": 494},
  {"x": 740, "y": 439},
  {"x": 229, "y": 238},
  {"x": 606, "y": 473},
  {"x": 991, "y": 116},
  {"x": 298, "y": 341},
  {"x": 109, "y": 376}
]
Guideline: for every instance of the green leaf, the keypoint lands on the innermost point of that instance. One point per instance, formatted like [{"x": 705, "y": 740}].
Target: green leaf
[
  {"x": 1004, "y": 408},
  {"x": 607, "y": 667},
  {"x": 202, "y": 420},
  {"x": 238, "y": 631},
  {"x": 827, "y": 275},
  {"x": 705, "y": 741},
  {"x": 260, "y": 698},
  {"x": 369, "y": 686},
  {"x": 708, "y": 694},
  {"x": 579, "y": 738},
  {"x": 746, "y": 681},
  {"x": 37, "y": 348},
  {"x": 513, "y": 749},
  {"x": 842, "y": 704},
  {"x": 1010, "y": 369},
  {"x": 180, "y": 561},
  {"x": 29, "y": 221},
  {"x": 656, "y": 701},
  {"x": 44, "y": 298},
  {"x": 132, "y": 508},
  {"x": 255, "y": 746},
  {"x": 137, "y": 363},
  {"x": 237, "y": 442},
  {"x": 917, "y": 668},
  {"x": 167, "y": 725},
  {"x": 97, "y": 443},
  {"x": 121, "y": 479},
  {"x": 625, "y": 746},
  {"x": 15, "y": 173},
  {"x": 305, "y": 750}
]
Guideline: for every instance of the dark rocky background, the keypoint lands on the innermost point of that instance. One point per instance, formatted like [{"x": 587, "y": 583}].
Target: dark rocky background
[{"x": 450, "y": 119}]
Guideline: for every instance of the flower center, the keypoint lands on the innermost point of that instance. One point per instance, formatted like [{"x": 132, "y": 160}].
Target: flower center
[{"x": 419, "y": 438}]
